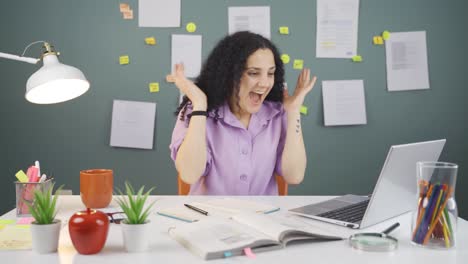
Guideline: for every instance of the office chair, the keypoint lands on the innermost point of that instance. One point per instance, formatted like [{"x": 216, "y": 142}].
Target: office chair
[{"x": 184, "y": 188}]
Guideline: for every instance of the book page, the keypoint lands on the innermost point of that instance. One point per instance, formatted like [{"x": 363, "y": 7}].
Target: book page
[
  {"x": 237, "y": 205},
  {"x": 213, "y": 236},
  {"x": 280, "y": 226}
]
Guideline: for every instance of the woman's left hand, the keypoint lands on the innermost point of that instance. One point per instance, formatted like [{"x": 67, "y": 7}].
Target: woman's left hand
[{"x": 304, "y": 85}]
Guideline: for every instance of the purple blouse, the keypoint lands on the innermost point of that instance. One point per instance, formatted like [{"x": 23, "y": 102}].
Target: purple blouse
[{"x": 240, "y": 161}]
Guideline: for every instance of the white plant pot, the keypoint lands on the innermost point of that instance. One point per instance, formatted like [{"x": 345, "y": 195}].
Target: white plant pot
[
  {"x": 45, "y": 238},
  {"x": 136, "y": 237}
]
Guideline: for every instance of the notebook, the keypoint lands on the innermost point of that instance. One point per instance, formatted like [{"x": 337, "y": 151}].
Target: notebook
[
  {"x": 393, "y": 194},
  {"x": 246, "y": 233},
  {"x": 223, "y": 207}
]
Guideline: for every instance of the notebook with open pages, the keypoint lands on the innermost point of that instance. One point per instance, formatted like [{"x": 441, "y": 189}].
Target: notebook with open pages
[{"x": 393, "y": 193}]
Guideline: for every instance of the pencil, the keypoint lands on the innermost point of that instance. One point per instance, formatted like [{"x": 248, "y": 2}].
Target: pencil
[
  {"x": 421, "y": 215},
  {"x": 428, "y": 234}
]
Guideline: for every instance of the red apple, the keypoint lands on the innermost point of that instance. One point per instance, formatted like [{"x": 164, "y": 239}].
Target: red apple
[{"x": 88, "y": 231}]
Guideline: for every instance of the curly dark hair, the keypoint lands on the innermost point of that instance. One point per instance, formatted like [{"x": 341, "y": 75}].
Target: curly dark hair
[{"x": 220, "y": 75}]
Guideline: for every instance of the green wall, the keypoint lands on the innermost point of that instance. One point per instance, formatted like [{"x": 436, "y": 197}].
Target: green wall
[{"x": 91, "y": 35}]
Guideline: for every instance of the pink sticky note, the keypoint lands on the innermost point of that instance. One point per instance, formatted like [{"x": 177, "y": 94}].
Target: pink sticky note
[
  {"x": 248, "y": 252},
  {"x": 24, "y": 220}
]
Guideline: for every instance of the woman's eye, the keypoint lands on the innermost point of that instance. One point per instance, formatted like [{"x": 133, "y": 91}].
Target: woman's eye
[
  {"x": 271, "y": 74},
  {"x": 252, "y": 73}
]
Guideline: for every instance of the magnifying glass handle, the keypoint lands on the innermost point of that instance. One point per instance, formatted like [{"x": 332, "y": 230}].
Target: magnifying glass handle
[{"x": 391, "y": 228}]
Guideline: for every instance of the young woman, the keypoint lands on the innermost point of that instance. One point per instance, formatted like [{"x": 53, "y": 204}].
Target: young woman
[{"x": 237, "y": 126}]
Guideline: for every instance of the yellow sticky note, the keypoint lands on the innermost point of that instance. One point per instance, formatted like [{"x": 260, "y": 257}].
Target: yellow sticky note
[
  {"x": 7, "y": 222},
  {"x": 124, "y": 60},
  {"x": 154, "y": 87},
  {"x": 13, "y": 238},
  {"x": 21, "y": 176},
  {"x": 298, "y": 64},
  {"x": 357, "y": 58},
  {"x": 150, "y": 41},
  {"x": 303, "y": 110},
  {"x": 191, "y": 27},
  {"x": 124, "y": 7},
  {"x": 128, "y": 14},
  {"x": 386, "y": 35},
  {"x": 284, "y": 30},
  {"x": 378, "y": 40},
  {"x": 285, "y": 58}
]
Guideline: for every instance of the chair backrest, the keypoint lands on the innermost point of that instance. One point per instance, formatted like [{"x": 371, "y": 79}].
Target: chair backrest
[{"x": 184, "y": 188}]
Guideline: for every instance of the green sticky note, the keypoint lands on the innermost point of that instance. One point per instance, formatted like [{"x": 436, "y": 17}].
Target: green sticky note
[
  {"x": 284, "y": 30},
  {"x": 285, "y": 58},
  {"x": 357, "y": 58},
  {"x": 386, "y": 34},
  {"x": 303, "y": 110},
  {"x": 298, "y": 64},
  {"x": 7, "y": 221},
  {"x": 21, "y": 176},
  {"x": 191, "y": 27},
  {"x": 154, "y": 87}
]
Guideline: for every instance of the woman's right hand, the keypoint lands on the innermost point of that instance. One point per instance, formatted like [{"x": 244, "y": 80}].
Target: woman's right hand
[{"x": 186, "y": 86}]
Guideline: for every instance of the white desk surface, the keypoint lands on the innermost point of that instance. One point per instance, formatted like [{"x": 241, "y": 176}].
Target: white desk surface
[{"x": 166, "y": 250}]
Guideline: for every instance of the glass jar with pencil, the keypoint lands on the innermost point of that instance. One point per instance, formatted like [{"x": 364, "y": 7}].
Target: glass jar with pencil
[{"x": 434, "y": 221}]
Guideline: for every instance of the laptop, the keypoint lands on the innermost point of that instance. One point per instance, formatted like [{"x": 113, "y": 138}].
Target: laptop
[{"x": 393, "y": 194}]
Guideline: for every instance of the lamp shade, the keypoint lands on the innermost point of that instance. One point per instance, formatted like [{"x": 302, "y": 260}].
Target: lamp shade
[{"x": 55, "y": 82}]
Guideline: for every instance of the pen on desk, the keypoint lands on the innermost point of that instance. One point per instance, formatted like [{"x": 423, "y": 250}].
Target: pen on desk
[
  {"x": 196, "y": 209},
  {"x": 391, "y": 228}
]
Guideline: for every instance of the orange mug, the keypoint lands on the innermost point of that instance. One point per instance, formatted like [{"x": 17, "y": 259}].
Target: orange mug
[{"x": 96, "y": 187}]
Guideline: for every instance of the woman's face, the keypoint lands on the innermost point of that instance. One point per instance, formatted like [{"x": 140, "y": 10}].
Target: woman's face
[{"x": 256, "y": 82}]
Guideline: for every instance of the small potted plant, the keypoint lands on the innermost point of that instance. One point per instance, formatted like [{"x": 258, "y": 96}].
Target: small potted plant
[
  {"x": 135, "y": 227},
  {"x": 45, "y": 229}
]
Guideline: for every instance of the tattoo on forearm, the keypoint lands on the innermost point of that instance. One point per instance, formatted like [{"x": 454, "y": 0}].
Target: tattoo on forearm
[{"x": 298, "y": 125}]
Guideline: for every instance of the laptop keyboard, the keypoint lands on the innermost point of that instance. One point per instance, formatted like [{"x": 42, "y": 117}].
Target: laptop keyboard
[{"x": 352, "y": 214}]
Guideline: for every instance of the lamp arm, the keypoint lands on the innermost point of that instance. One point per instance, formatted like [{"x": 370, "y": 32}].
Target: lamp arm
[{"x": 19, "y": 58}]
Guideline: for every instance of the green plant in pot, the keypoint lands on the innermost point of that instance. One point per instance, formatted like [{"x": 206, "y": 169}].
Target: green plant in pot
[
  {"x": 135, "y": 227},
  {"x": 45, "y": 229}
]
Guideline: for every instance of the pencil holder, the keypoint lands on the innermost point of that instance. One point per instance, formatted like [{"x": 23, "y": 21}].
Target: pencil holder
[
  {"x": 434, "y": 221},
  {"x": 25, "y": 193}
]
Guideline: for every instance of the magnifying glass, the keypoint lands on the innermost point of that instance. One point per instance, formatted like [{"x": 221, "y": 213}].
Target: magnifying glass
[{"x": 375, "y": 241}]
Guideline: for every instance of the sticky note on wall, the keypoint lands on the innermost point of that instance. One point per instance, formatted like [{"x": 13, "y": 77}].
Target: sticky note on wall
[
  {"x": 303, "y": 110},
  {"x": 284, "y": 30},
  {"x": 386, "y": 35},
  {"x": 124, "y": 7},
  {"x": 124, "y": 60},
  {"x": 191, "y": 27},
  {"x": 285, "y": 58},
  {"x": 357, "y": 58},
  {"x": 150, "y": 41},
  {"x": 154, "y": 87},
  {"x": 298, "y": 64},
  {"x": 127, "y": 14},
  {"x": 378, "y": 40}
]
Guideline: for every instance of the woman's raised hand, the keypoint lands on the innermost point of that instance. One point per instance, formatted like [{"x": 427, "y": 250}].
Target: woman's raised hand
[
  {"x": 186, "y": 86},
  {"x": 303, "y": 87}
]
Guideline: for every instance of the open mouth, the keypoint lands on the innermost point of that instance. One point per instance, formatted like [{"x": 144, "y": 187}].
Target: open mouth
[{"x": 256, "y": 96}]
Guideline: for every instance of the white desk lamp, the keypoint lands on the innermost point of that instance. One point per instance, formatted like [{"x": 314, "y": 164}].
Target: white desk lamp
[{"x": 54, "y": 82}]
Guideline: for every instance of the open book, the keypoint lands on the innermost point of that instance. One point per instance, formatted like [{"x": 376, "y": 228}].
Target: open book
[
  {"x": 215, "y": 237},
  {"x": 223, "y": 207}
]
